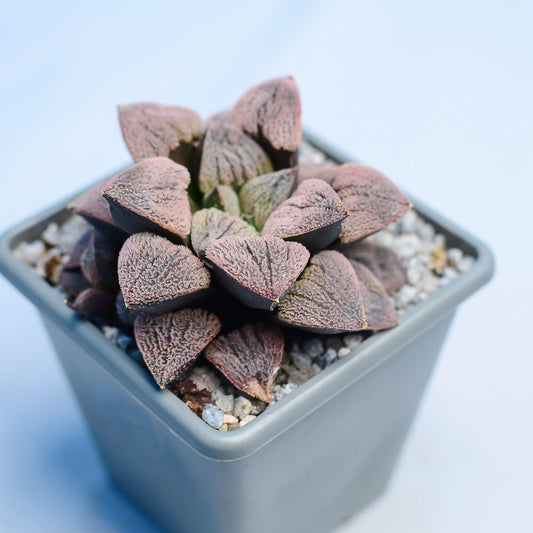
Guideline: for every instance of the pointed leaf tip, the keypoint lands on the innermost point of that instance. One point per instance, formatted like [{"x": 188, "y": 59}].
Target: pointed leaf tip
[
  {"x": 155, "y": 130},
  {"x": 156, "y": 275},
  {"x": 257, "y": 270},
  {"x": 171, "y": 342},
  {"x": 326, "y": 298},
  {"x": 250, "y": 357},
  {"x": 230, "y": 158},
  {"x": 372, "y": 199},
  {"x": 311, "y": 216},
  {"x": 151, "y": 196}
]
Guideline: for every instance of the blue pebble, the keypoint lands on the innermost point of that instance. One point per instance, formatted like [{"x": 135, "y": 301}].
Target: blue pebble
[
  {"x": 124, "y": 341},
  {"x": 214, "y": 417},
  {"x": 326, "y": 358}
]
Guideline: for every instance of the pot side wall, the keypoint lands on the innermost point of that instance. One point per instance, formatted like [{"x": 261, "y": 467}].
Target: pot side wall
[{"x": 311, "y": 477}]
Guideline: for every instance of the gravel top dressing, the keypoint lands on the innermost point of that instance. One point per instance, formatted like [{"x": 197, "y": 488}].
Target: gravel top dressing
[{"x": 427, "y": 262}]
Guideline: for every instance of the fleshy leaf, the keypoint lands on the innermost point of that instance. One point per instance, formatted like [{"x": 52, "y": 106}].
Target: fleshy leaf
[
  {"x": 257, "y": 270},
  {"x": 382, "y": 261},
  {"x": 263, "y": 194},
  {"x": 222, "y": 117},
  {"x": 74, "y": 260},
  {"x": 98, "y": 261},
  {"x": 379, "y": 308},
  {"x": 92, "y": 206},
  {"x": 230, "y": 158},
  {"x": 156, "y": 275},
  {"x": 153, "y": 130},
  {"x": 171, "y": 342},
  {"x": 271, "y": 113},
  {"x": 312, "y": 216},
  {"x": 326, "y": 298},
  {"x": 93, "y": 302},
  {"x": 209, "y": 225},
  {"x": 372, "y": 200},
  {"x": 151, "y": 196},
  {"x": 73, "y": 281},
  {"x": 316, "y": 171},
  {"x": 249, "y": 357},
  {"x": 224, "y": 198}
]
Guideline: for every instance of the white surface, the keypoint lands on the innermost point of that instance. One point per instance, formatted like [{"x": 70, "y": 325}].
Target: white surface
[{"x": 438, "y": 96}]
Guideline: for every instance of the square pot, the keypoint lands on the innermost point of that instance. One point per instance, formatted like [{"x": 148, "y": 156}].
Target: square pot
[{"x": 306, "y": 464}]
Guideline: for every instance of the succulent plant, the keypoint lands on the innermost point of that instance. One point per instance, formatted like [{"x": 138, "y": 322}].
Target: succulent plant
[{"x": 216, "y": 242}]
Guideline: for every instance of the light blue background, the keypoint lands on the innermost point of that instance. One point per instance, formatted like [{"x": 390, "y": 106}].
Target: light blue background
[{"x": 436, "y": 95}]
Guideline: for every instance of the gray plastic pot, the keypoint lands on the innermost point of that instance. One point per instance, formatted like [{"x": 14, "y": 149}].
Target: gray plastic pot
[{"x": 306, "y": 464}]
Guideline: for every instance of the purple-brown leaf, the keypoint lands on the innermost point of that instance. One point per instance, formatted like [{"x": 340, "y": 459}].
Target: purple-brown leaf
[
  {"x": 382, "y": 261},
  {"x": 73, "y": 281},
  {"x": 153, "y": 130},
  {"x": 316, "y": 171},
  {"x": 171, "y": 342},
  {"x": 379, "y": 308},
  {"x": 326, "y": 298},
  {"x": 257, "y": 270},
  {"x": 271, "y": 113},
  {"x": 231, "y": 158},
  {"x": 312, "y": 216},
  {"x": 93, "y": 302},
  {"x": 151, "y": 196},
  {"x": 98, "y": 261},
  {"x": 249, "y": 357},
  {"x": 209, "y": 225},
  {"x": 263, "y": 194},
  {"x": 156, "y": 275},
  {"x": 372, "y": 200},
  {"x": 74, "y": 260},
  {"x": 92, "y": 206}
]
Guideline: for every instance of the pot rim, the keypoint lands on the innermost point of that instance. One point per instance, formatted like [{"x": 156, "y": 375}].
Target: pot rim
[{"x": 291, "y": 409}]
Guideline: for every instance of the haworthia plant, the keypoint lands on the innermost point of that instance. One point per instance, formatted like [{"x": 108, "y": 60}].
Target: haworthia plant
[{"x": 216, "y": 242}]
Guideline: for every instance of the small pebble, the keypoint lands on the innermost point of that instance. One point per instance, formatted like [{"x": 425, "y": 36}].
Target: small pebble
[
  {"x": 313, "y": 347},
  {"x": 225, "y": 403},
  {"x": 30, "y": 252},
  {"x": 326, "y": 358},
  {"x": 230, "y": 419},
  {"x": 302, "y": 360},
  {"x": 111, "y": 333},
  {"x": 246, "y": 420},
  {"x": 124, "y": 341},
  {"x": 214, "y": 417},
  {"x": 242, "y": 407},
  {"x": 351, "y": 340},
  {"x": 343, "y": 352},
  {"x": 51, "y": 234},
  {"x": 232, "y": 427}
]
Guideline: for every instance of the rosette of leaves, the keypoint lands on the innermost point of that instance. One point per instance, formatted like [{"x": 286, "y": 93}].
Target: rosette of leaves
[{"x": 216, "y": 241}]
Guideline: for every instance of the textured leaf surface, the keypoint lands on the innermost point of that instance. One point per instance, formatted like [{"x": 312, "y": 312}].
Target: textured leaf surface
[
  {"x": 263, "y": 194},
  {"x": 209, "y": 225},
  {"x": 326, "y": 298},
  {"x": 316, "y": 171},
  {"x": 230, "y": 158},
  {"x": 382, "y": 261},
  {"x": 257, "y": 270},
  {"x": 171, "y": 342},
  {"x": 93, "y": 302},
  {"x": 249, "y": 357},
  {"x": 92, "y": 206},
  {"x": 151, "y": 196},
  {"x": 372, "y": 199},
  {"x": 312, "y": 216},
  {"x": 98, "y": 261},
  {"x": 152, "y": 130},
  {"x": 379, "y": 308},
  {"x": 224, "y": 198},
  {"x": 156, "y": 275},
  {"x": 271, "y": 113}
]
